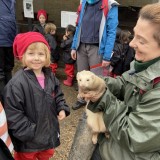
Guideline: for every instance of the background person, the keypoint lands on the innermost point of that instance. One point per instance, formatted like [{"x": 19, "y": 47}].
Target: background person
[
  {"x": 123, "y": 54},
  {"x": 42, "y": 18},
  {"x": 69, "y": 62},
  {"x": 95, "y": 36},
  {"x": 50, "y": 31},
  {"x": 7, "y": 34}
]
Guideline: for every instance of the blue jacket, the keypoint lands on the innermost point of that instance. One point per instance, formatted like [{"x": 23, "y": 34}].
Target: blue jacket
[
  {"x": 107, "y": 31},
  {"x": 7, "y": 23}
]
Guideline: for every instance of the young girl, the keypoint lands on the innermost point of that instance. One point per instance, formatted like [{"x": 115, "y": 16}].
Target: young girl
[
  {"x": 33, "y": 100},
  {"x": 69, "y": 62},
  {"x": 41, "y": 17},
  {"x": 50, "y": 31}
]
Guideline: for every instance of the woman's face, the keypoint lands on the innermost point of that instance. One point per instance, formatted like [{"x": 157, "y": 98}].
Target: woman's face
[{"x": 146, "y": 47}]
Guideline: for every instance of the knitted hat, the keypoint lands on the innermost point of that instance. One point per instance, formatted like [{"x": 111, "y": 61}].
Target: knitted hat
[
  {"x": 41, "y": 12},
  {"x": 23, "y": 40}
]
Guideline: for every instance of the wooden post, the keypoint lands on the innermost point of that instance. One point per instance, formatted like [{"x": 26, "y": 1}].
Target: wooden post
[
  {"x": 29, "y": 24},
  {"x": 82, "y": 147}
]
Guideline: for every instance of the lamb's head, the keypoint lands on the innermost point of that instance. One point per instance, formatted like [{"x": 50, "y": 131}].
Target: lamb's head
[{"x": 85, "y": 79}]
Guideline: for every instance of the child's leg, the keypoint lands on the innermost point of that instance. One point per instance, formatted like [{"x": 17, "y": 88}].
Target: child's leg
[
  {"x": 25, "y": 155},
  {"x": 54, "y": 67},
  {"x": 45, "y": 155},
  {"x": 69, "y": 70}
]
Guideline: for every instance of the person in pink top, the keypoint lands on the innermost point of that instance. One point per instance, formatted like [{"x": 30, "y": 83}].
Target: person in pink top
[{"x": 33, "y": 100}]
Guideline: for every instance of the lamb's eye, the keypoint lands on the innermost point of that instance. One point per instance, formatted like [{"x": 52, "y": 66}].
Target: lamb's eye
[
  {"x": 87, "y": 79},
  {"x": 79, "y": 79}
]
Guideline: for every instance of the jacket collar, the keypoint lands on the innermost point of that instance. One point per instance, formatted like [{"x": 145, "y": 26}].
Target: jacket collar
[
  {"x": 150, "y": 73},
  {"x": 144, "y": 79},
  {"x": 46, "y": 71}
]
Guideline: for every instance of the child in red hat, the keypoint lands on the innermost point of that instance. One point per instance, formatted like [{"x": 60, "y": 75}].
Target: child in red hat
[
  {"x": 33, "y": 100},
  {"x": 42, "y": 18}
]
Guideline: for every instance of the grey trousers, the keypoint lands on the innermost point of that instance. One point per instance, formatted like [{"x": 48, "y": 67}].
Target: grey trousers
[{"x": 87, "y": 56}]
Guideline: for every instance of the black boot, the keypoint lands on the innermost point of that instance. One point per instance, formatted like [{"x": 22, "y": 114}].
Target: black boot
[{"x": 79, "y": 104}]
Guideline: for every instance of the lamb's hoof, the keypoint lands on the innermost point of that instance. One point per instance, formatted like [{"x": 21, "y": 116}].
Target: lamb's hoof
[
  {"x": 94, "y": 140},
  {"x": 107, "y": 135}
]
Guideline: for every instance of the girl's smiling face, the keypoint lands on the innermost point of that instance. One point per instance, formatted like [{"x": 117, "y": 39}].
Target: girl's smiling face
[{"x": 35, "y": 59}]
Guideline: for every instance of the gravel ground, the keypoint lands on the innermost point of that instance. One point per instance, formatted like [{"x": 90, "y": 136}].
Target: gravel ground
[{"x": 69, "y": 124}]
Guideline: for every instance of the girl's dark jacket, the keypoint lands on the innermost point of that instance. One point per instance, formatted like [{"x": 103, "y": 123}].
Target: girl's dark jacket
[
  {"x": 66, "y": 46},
  {"x": 32, "y": 111}
]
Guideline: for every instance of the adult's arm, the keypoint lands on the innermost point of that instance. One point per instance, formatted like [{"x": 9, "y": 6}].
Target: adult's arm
[
  {"x": 134, "y": 126},
  {"x": 111, "y": 28}
]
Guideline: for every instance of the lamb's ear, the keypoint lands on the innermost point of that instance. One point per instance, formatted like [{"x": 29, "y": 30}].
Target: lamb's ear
[
  {"x": 77, "y": 75},
  {"x": 93, "y": 77}
]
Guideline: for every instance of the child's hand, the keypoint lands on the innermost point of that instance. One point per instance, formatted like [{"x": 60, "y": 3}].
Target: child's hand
[
  {"x": 65, "y": 37},
  {"x": 61, "y": 115}
]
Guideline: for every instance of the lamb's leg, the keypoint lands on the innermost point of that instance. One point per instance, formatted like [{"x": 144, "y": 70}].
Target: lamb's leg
[{"x": 94, "y": 137}]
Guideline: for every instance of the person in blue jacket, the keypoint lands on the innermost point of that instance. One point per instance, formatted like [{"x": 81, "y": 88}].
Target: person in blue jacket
[
  {"x": 7, "y": 34},
  {"x": 95, "y": 36}
]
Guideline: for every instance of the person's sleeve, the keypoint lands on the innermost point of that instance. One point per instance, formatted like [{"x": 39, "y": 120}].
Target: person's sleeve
[
  {"x": 114, "y": 60},
  {"x": 53, "y": 43},
  {"x": 136, "y": 127},
  {"x": 19, "y": 125},
  {"x": 116, "y": 86},
  {"x": 112, "y": 23},
  {"x": 66, "y": 43},
  {"x": 75, "y": 38},
  {"x": 63, "y": 44},
  {"x": 35, "y": 28},
  {"x": 59, "y": 98}
]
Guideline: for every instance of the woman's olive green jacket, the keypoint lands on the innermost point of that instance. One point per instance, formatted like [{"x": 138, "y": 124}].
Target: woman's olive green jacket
[{"x": 131, "y": 106}]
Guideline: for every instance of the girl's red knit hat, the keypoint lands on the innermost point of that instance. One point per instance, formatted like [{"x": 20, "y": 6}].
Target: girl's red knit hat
[
  {"x": 23, "y": 40},
  {"x": 41, "y": 12}
]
